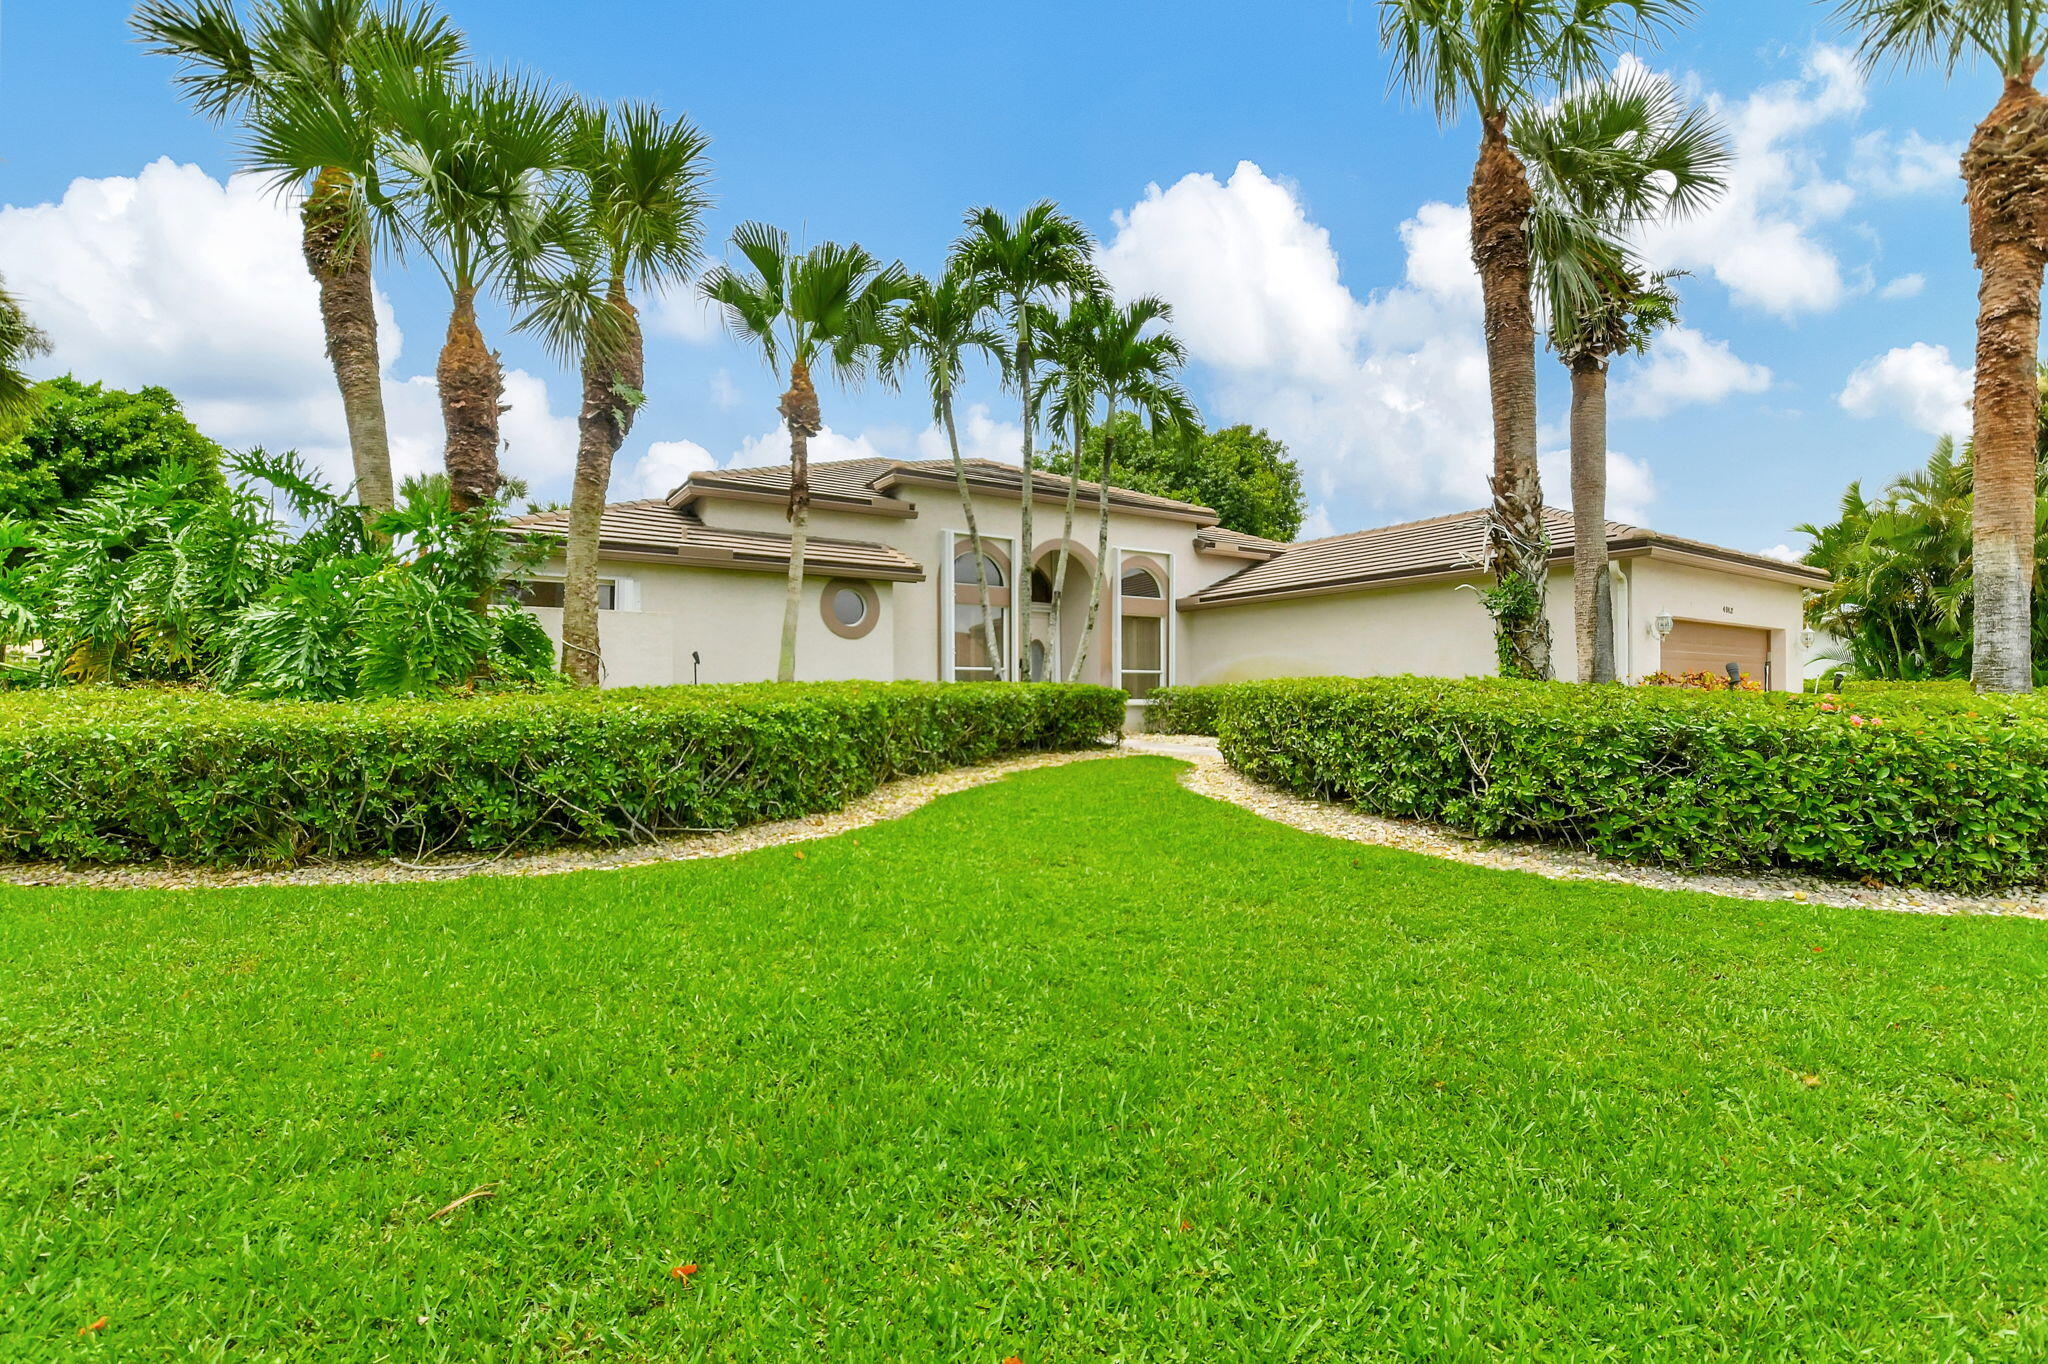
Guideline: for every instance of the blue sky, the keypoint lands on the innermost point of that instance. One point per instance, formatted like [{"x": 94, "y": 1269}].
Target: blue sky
[{"x": 1246, "y": 162}]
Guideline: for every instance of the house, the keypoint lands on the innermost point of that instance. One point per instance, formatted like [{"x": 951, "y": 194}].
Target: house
[{"x": 692, "y": 588}]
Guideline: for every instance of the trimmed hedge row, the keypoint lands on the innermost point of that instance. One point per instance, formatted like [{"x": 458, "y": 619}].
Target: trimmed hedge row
[
  {"x": 1938, "y": 796},
  {"x": 107, "y": 776},
  {"x": 1186, "y": 710}
]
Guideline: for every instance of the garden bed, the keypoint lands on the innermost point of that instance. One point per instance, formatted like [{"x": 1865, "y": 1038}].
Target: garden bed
[
  {"x": 105, "y": 775},
  {"x": 1941, "y": 790}
]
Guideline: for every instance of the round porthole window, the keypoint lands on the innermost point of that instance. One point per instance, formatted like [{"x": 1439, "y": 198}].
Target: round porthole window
[{"x": 850, "y": 608}]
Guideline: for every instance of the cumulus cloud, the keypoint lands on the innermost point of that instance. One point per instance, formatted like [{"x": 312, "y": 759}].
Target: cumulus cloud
[
  {"x": 981, "y": 437},
  {"x": 1785, "y": 553},
  {"x": 680, "y": 311},
  {"x": 1383, "y": 399},
  {"x": 1631, "y": 489},
  {"x": 1900, "y": 165},
  {"x": 772, "y": 447},
  {"x": 1904, "y": 287},
  {"x": 1763, "y": 238},
  {"x": 171, "y": 277},
  {"x": 665, "y": 466},
  {"x": 1683, "y": 368},
  {"x": 1919, "y": 384}
]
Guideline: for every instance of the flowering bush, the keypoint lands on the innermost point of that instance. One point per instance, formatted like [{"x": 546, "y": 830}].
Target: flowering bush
[
  {"x": 1702, "y": 680},
  {"x": 1938, "y": 795}
]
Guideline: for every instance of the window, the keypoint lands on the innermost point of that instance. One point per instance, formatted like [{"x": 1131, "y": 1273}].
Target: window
[
  {"x": 1141, "y": 627},
  {"x": 554, "y": 592},
  {"x": 1041, "y": 587},
  {"x": 851, "y": 609},
  {"x": 968, "y": 654}
]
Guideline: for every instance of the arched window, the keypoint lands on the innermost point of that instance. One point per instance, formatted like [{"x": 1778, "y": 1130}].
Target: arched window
[
  {"x": 1141, "y": 627},
  {"x": 963, "y": 571}
]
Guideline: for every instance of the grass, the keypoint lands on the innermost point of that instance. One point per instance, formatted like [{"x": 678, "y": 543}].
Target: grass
[{"x": 1076, "y": 1066}]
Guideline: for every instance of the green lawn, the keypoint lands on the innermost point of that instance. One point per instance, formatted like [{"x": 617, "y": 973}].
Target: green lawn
[{"x": 1075, "y": 1066}]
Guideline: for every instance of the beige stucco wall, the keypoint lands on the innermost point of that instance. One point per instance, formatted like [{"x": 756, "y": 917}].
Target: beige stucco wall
[
  {"x": 1431, "y": 628},
  {"x": 1717, "y": 596}
]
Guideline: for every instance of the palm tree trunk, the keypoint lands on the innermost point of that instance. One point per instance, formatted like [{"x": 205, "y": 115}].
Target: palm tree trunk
[
  {"x": 601, "y": 428},
  {"x": 337, "y": 250},
  {"x": 988, "y": 625},
  {"x": 1101, "y": 552},
  {"x": 2008, "y": 199},
  {"x": 1028, "y": 488},
  {"x": 800, "y": 414},
  {"x": 1054, "y": 617},
  {"x": 1517, "y": 545},
  {"x": 472, "y": 392},
  {"x": 1592, "y": 603}
]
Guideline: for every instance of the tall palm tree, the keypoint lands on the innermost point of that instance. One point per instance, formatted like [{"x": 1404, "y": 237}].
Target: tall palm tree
[
  {"x": 1071, "y": 390},
  {"x": 293, "y": 79},
  {"x": 472, "y": 162},
  {"x": 940, "y": 325},
  {"x": 634, "y": 220},
  {"x": 2006, "y": 187},
  {"x": 1603, "y": 161},
  {"x": 831, "y": 303},
  {"x": 20, "y": 341},
  {"x": 1491, "y": 58},
  {"x": 1025, "y": 261},
  {"x": 1131, "y": 366}
]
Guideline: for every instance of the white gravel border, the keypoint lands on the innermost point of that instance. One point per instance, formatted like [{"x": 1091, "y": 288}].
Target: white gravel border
[{"x": 1211, "y": 776}]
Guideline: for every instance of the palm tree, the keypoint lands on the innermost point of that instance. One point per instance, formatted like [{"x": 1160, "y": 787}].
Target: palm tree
[
  {"x": 940, "y": 325},
  {"x": 1603, "y": 161},
  {"x": 20, "y": 341},
  {"x": 472, "y": 161},
  {"x": 2007, "y": 192},
  {"x": 1040, "y": 254},
  {"x": 1491, "y": 58},
  {"x": 294, "y": 80},
  {"x": 830, "y": 303},
  {"x": 1132, "y": 366},
  {"x": 1072, "y": 387},
  {"x": 634, "y": 219}
]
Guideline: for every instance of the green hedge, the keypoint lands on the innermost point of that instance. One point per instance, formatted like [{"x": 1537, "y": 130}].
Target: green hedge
[
  {"x": 1941, "y": 796},
  {"x": 92, "y": 775},
  {"x": 1185, "y": 710}
]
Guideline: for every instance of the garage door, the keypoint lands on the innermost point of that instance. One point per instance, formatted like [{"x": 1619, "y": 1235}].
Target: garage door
[{"x": 1697, "y": 646}]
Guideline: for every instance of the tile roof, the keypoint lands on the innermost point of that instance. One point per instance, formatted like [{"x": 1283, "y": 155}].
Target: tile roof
[
  {"x": 1238, "y": 544},
  {"x": 869, "y": 482},
  {"x": 1441, "y": 544},
  {"x": 651, "y": 527}
]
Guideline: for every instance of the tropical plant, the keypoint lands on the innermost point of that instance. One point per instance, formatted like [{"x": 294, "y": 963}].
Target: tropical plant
[
  {"x": 1492, "y": 58},
  {"x": 1026, "y": 262},
  {"x": 1069, "y": 393},
  {"x": 295, "y": 78},
  {"x": 1131, "y": 363},
  {"x": 830, "y": 303},
  {"x": 1605, "y": 160},
  {"x": 2005, "y": 172},
  {"x": 634, "y": 220},
  {"x": 20, "y": 341},
  {"x": 940, "y": 325},
  {"x": 472, "y": 161},
  {"x": 175, "y": 576},
  {"x": 1243, "y": 473},
  {"x": 79, "y": 435}
]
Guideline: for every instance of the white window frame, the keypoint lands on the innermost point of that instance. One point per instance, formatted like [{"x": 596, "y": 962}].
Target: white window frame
[
  {"x": 948, "y": 540},
  {"x": 1170, "y": 674},
  {"x": 625, "y": 591}
]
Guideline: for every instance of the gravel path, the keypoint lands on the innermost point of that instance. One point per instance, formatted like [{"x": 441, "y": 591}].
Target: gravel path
[{"x": 1211, "y": 776}]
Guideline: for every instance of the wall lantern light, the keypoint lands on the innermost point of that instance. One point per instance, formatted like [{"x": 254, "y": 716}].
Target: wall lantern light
[{"x": 1663, "y": 624}]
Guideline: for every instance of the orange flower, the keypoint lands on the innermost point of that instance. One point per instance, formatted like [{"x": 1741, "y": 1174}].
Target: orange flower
[
  {"x": 99, "y": 1325},
  {"x": 1013, "y": 1359},
  {"x": 682, "y": 1272}
]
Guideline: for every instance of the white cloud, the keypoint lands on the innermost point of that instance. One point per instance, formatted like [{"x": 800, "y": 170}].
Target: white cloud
[
  {"x": 1918, "y": 384},
  {"x": 725, "y": 394},
  {"x": 680, "y": 311},
  {"x": 661, "y": 470},
  {"x": 1683, "y": 368},
  {"x": 772, "y": 447},
  {"x": 1785, "y": 553},
  {"x": 1317, "y": 524},
  {"x": 171, "y": 277},
  {"x": 1912, "y": 164},
  {"x": 1631, "y": 489},
  {"x": 1384, "y": 399},
  {"x": 1762, "y": 238},
  {"x": 981, "y": 437},
  {"x": 1904, "y": 287}
]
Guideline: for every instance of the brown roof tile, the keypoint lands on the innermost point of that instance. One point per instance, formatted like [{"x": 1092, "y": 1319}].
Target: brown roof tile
[
  {"x": 651, "y": 527},
  {"x": 1437, "y": 545}
]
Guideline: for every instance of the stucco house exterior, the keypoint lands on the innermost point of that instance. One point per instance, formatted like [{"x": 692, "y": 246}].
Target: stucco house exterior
[{"x": 692, "y": 588}]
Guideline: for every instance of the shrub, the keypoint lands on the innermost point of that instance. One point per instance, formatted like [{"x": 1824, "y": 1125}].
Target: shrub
[
  {"x": 1699, "y": 679},
  {"x": 102, "y": 775},
  {"x": 1185, "y": 710},
  {"x": 1945, "y": 797}
]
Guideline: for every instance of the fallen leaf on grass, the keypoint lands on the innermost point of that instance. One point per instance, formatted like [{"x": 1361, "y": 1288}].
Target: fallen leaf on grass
[{"x": 682, "y": 1272}]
